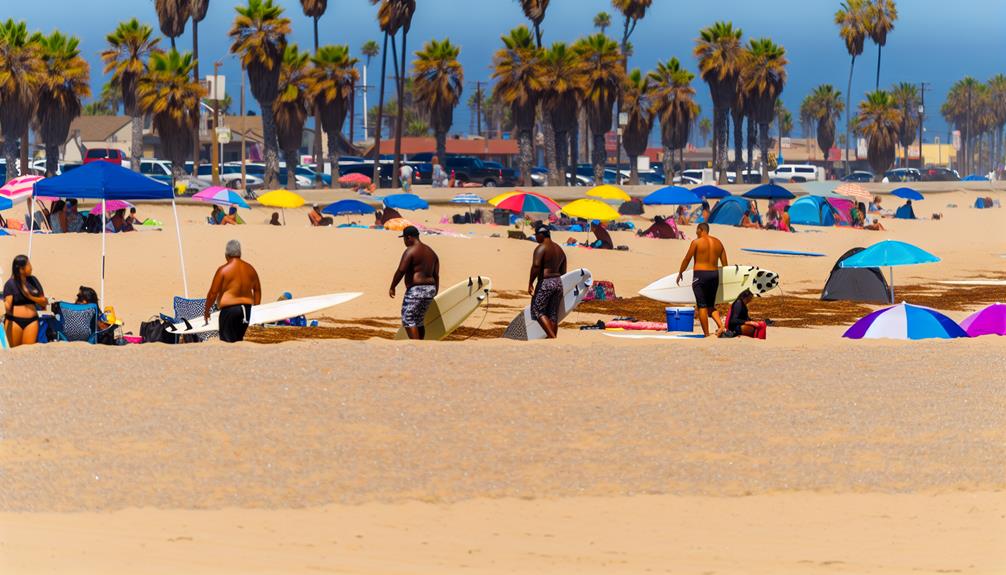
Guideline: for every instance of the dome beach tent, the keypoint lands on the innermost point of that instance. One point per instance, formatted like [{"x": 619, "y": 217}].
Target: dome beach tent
[
  {"x": 106, "y": 181},
  {"x": 812, "y": 211},
  {"x": 728, "y": 211},
  {"x": 865, "y": 285}
]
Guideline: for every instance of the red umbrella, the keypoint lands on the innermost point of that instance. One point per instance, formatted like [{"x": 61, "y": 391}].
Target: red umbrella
[{"x": 355, "y": 178}]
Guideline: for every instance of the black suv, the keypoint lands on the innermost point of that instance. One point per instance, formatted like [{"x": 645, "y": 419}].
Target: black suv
[
  {"x": 469, "y": 169},
  {"x": 939, "y": 175}
]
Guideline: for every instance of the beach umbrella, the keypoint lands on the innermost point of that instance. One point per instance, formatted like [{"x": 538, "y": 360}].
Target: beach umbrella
[
  {"x": 282, "y": 199},
  {"x": 672, "y": 196},
  {"x": 469, "y": 198},
  {"x": 854, "y": 191},
  {"x": 769, "y": 192},
  {"x": 406, "y": 202},
  {"x": 989, "y": 321},
  {"x": 908, "y": 194},
  {"x": 221, "y": 196},
  {"x": 110, "y": 207},
  {"x": 888, "y": 254},
  {"x": 708, "y": 192},
  {"x": 5, "y": 203},
  {"x": 591, "y": 210},
  {"x": 20, "y": 188},
  {"x": 905, "y": 321},
  {"x": 609, "y": 192},
  {"x": 348, "y": 208},
  {"x": 525, "y": 203},
  {"x": 355, "y": 178}
]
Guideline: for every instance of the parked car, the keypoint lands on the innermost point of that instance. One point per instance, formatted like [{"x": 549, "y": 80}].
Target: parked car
[
  {"x": 367, "y": 169},
  {"x": 508, "y": 174},
  {"x": 111, "y": 155},
  {"x": 468, "y": 169},
  {"x": 940, "y": 175},
  {"x": 258, "y": 170},
  {"x": 903, "y": 175},
  {"x": 862, "y": 177},
  {"x": 159, "y": 170},
  {"x": 230, "y": 176},
  {"x": 797, "y": 173}
]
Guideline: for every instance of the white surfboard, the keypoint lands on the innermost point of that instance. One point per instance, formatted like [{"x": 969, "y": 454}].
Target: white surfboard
[
  {"x": 974, "y": 283},
  {"x": 270, "y": 312},
  {"x": 575, "y": 286},
  {"x": 733, "y": 280},
  {"x": 452, "y": 307},
  {"x": 649, "y": 335}
]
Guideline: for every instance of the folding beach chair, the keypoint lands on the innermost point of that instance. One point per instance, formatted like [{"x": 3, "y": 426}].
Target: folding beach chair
[
  {"x": 79, "y": 322},
  {"x": 191, "y": 309}
]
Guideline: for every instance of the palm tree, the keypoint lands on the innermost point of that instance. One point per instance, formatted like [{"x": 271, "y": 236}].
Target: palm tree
[
  {"x": 259, "y": 37},
  {"x": 392, "y": 16},
  {"x": 878, "y": 121},
  {"x": 604, "y": 75},
  {"x": 66, "y": 81},
  {"x": 172, "y": 16},
  {"x": 601, "y": 21},
  {"x": 125, "y": 58},
  {"x": 517, "y": 69},
  {"x": 168, "y": 93},
  {"x": 438, "y": 81},
  {"x": 961, "y": 109},
  {"x": 330, "y": 86},
  {"x": 290, "y": 107},
  {"x": 880, "y": 16},
  {"x": 719, "y": 52},
  {"x": 906, "y": 98},
  {"x": 997, "y": 96},
  {"x": 826, "y": 108},
  {"x": 705, "y": 128},
  {"x": 197, "y": 10},
  {"x": 672, "y": 102},
  {"x": 22, "y": 74},
  {"x": 852, "y": 19},
  {"x": 636, "y": 105},
  {"x": 534, "y": 10},
  {"x": 563, "y": 80},
  {"x": 315, "y": 9},
  {"x": 741, "y": 107},
  {"x": 764, "y": 79},
  {"x": 633, "y": 11}
]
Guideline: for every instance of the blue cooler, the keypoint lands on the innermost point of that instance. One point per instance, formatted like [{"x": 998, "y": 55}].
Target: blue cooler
[{"x": 680, "y": 319}]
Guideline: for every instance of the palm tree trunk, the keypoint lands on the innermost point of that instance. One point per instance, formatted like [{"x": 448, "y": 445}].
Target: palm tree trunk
[
  {"x": 380, "y": 118},
  {"x": 525, "y": 152},
  {"x": 848, "y": 116},
  {"x": 880, "y": 48},
  {"x": 333, "y": 154},
  {"x": 751, "y": 143},
  {"x": 319, "y": 166},
  {"x": 136, "y": 146},
  {"x": 24, "y": 152},
  {"x": 561, "y": 156},
  {"x": 401, "y": 106},
  {"x": 633, "y": 170},
  {"x": 51, "y": 159},
  {"x": 271, "y": 147},
  {"x": 550, "y": 152},
  {"x": 722, "y": 141},
  {"x": 442, "y": 145},
  {"x": 738, "y": 118},
  {"x": 10, "y": 153},
  {"x": 763, "y": 146},
  {"x": 668, "y": 165},
  {"x": 597, "y": 157},
  {"x": 291, "y": 168},
  {"x": 196, "y": 148},
  {"x": 574, "y": 148}
]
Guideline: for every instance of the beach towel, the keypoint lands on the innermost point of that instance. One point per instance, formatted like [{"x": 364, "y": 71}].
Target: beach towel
[
  {"x": 602, "y": 291},
  {"x": 636, "y": 325}
]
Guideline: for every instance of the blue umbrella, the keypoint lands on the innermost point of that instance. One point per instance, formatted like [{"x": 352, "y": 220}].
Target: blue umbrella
[
  {"x": 671, "y": 196},
  {"x": 769, "y": 192},
  {"x": 469, "y": 198},
  {"x": 406, "y": 202},
  {"x": 889, "y": 253},
  {"x": 905, "y": 321},
  {"x": 5, "y": 203},
  {"x": 907, "y": 194},
  {"x": 710, "y": 192},
  {"x": 347, "y": 208}
]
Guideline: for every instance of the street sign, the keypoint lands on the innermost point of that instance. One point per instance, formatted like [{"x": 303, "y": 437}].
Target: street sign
[
  {"x": 216, "y": 87},
  {"x": 957, "y": 140},
  {"x": 223, "y": 135}
]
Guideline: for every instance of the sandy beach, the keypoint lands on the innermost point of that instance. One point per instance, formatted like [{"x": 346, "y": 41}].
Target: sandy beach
[{"x": 805, "y": 453}]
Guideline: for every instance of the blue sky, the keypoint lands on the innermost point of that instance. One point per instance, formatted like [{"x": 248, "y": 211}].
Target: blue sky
[{"x": 934, "y": 41}]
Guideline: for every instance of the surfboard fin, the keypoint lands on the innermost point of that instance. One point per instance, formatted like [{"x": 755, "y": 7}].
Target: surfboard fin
[{"x": 470, "y": 282}]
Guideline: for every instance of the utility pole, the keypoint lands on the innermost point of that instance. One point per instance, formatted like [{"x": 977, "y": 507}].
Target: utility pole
[
  {"x": 244, "y": 133},
  {"x": 923, "y": 86},
  {"x": 478, "y": 107},
  {"x": 352, "y": 113},
  {"x": 214, "y": 146}
]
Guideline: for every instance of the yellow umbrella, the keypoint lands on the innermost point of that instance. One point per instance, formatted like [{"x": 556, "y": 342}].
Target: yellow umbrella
[
  {"x": 282, "y": 199},
  {"x": 591, "y": 210},
  {"x": 608, "y": 192}
]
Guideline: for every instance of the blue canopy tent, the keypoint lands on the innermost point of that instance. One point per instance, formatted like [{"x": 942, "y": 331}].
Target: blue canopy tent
[
  {"x": 106, "y": 181},
  {"x": 708, "y": 192},
  {"x": 728, "y": 211},
  {"x": 812, "y": 211},
  {"x": 769, "y": 192},
  {"x": 672, "y": 196}
]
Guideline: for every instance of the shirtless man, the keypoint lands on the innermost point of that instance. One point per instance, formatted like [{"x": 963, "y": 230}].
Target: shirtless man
[
  {"x": 709, "y": 254},
  {"x": 236, "y": 289},
  {"x": 547, "y": 268},
  {"x": 420, "y": 267}
]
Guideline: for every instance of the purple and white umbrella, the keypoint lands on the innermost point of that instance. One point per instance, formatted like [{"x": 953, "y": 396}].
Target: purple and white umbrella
[
  {"x": 905, "y": 321},
  {"x": 989, "y": 321},
  {"x": 110, "y": 207},
  {"x": 222, "y": 197}
]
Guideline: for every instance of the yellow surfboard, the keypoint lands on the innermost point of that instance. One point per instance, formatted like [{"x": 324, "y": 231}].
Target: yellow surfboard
[{"x": 452, "y": 307}]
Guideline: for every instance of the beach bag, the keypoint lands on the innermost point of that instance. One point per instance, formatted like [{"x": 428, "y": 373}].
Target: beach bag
[{"x": 603, "y": 291}]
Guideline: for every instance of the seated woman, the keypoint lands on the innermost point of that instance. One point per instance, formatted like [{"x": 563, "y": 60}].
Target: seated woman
[
  {"x": 755, "y": 215},
  {"x": 876, "y": 226},
  {"x": 661, "y": 229},
  {"x": 232, "y": 218},
  {"x": 132, "y": 219},
  {"x": 746, "y": 221},
  {"x": 740, "y": 320},
  {"x": 117, "y": 224},
  {"x": 216, "y": 215},
  {"x": 603, "y": 241},
  {"x": 74, "y": 221},
  {"x": 772, "y": 219},
  {"x": 681, "y": 216},
  {"x": 57, "y": 217},
  {"x": 274, "y": 221},
  {"x": 85, "y": 296}
]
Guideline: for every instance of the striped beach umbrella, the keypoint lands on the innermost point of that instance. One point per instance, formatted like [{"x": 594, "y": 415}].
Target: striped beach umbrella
[
  {"x": 20, "y": 188},
  {"x": 526, "y": 203},
  {"x": 905, "y": 321},
  {"x": 854, "y": 191},
  {"x": 470, "y": 199},
  {"x": 221, "y": 196}
]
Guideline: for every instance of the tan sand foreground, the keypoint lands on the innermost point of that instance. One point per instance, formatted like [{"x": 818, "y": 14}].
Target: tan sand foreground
[{"x": 806, "y": 453}]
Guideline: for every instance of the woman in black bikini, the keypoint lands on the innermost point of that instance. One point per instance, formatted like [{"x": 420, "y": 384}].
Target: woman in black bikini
[{"x": 23, "y": 297}]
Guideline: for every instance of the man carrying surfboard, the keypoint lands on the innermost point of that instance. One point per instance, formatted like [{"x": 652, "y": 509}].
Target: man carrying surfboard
[
  {"x": 547, "y": 268},
  {"x": 708, "y": 253},
  {"x": 420, "y": 267},
  {"x": 237, "y": 287}
]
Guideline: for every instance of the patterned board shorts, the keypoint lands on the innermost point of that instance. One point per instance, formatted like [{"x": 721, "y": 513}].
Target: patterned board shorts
[
  {"x": 417, "y": 300},
  {"x": 546, "y": 299}
]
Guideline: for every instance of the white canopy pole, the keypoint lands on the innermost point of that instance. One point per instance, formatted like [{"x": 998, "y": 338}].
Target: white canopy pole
[
  {"x": 31, "y": 220},
  {"x": 103, "y": 223},
  {"x": 181, "y": 254}
]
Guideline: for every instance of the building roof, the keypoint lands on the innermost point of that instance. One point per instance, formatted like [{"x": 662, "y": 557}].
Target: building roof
[
  {"x": 466, "y": 147},
  {"x": 97, "y": 128}
]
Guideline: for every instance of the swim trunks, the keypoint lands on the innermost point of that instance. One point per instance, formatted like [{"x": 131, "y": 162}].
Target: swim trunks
[
  {"x": 705, "y": 284},
  {"x": 546, "y": 299},
  {"x": 417, "y": 300},
  {"x": 234, "y": 322}
]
